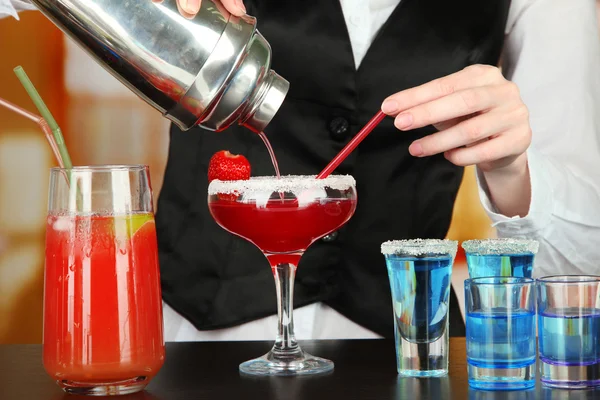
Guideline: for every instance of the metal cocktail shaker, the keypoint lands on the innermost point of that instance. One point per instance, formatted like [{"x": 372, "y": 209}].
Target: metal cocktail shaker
[{"x": 211, "y": 71}]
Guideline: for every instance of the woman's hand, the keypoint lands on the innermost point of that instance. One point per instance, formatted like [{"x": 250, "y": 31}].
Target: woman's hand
[
  {"x": 481, "y": 120},
  {"x": 189, "y": 8}
]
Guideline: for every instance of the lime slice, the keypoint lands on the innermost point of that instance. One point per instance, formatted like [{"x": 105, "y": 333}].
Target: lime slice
[{"x": 127, "y": 226}]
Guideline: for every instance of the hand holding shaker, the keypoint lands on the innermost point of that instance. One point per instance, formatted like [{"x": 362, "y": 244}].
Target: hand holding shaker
[{"x": 212, "y": 70}]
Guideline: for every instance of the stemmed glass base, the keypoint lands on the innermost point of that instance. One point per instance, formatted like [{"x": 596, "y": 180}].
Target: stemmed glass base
[
  {"x": 286, "y": 357},
  {"x": 297, "y": 363}
]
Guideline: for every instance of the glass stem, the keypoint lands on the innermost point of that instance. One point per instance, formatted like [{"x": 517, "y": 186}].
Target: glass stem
[{"x": 285, "y": 343}]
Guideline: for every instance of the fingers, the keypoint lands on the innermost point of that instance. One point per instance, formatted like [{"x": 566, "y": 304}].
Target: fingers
[
  {"x": 470, "y": 77},
  {"x": 236, "y": 7},
  {"x": 455, "y": 105},
  {"x": 480, "y": 116},
  {"x": 465, "y": 133},
  {"x": 506, "y": 147},
  {"x": 441, "y": 126},
  {"x": 189, "y": 8},
  {"x": 185, "y": 7}
]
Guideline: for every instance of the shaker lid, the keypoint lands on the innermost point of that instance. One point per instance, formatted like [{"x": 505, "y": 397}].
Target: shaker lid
[{"x": 266, "y": 107}]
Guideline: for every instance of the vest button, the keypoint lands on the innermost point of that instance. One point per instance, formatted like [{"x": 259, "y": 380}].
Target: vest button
[
  {"x": 331, "y": 237},
  {"x": 339, "y": 128}
]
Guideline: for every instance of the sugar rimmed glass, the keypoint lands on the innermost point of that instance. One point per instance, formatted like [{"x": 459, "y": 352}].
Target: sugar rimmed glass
[
  {"x": 420, "y": 272},
  {"x": 500, "y": 257},
  {"x": 283, "y": 217}
]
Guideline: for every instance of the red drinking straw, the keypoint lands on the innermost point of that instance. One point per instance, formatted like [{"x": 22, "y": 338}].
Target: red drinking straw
[{"x": 352, "y": 145}]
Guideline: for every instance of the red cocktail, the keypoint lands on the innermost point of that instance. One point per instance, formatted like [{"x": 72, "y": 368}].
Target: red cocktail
[
  {"x": 103, "y": 331},
  {"x": 283, "y": 217}
]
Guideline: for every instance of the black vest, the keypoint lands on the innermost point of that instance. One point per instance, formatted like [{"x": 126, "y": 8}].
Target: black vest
[{"x": 217, "y": 280}]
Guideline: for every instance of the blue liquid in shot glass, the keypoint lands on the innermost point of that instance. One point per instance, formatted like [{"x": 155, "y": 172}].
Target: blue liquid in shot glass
[
  {"x": 501, "y": 349},
  {"x": 420, "y": 292},
  {"x": 501, "y": 339},
  {"x": 488, "y": 265},
  {"x": 571, "y": 337}
]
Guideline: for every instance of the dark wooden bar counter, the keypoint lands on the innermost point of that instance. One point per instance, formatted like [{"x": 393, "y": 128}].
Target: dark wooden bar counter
[{"x": 364, "y": 369}]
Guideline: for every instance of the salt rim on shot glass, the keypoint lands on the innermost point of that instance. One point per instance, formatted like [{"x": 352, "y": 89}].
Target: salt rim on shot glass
[
  {"x": 420, "y": 273},
  {"x": 500, "y": 246},
  {"x": 420, "y": 247},
  {"x": 500, "y": 257}
]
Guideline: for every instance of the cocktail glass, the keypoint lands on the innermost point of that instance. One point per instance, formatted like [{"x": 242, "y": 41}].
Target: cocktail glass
[
  {"x": 103, "y": 326},
  {"x": 500, "y": 257},
  {"x": 569, "y": 331},
  {"x": 420, "y": 274},
  {"x": 283, "y": 217}
]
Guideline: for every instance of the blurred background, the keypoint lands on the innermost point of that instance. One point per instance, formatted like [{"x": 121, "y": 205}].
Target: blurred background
[{"x": 103, "y": 123}]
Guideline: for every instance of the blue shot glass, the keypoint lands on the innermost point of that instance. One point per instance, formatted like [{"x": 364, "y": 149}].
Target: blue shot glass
[
  {"x": 569, "y": 331},
  {"x": 420, "y": 272},
  {"x": 501, "y": 333}
]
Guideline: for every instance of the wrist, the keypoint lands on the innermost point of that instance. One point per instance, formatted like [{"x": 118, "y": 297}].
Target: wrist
[
  {"x": 509, "y": 187},
  {"x": 517, "y": 168}
]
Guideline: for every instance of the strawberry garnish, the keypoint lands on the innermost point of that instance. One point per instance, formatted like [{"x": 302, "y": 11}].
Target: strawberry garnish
[{"x": 225, "y": 166}]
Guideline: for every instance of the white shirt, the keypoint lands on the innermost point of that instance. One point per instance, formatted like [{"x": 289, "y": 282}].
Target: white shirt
[
  {"x": 10, "y": 7},
  {"x": 552, "y": 52}
]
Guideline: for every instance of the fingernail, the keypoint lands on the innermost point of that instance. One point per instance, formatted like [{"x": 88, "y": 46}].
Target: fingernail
[
  {"x": 240, "y": 4},
  {"x": 403, "y": 121},
  {"x": 416, "y": 149},
  {"x": 390, "y": 106},
  {"x": 190, "y": 6}
]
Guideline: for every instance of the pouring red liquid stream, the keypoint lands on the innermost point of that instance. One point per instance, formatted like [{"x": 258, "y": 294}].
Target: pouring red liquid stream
[{"x": 271, "y": 153}]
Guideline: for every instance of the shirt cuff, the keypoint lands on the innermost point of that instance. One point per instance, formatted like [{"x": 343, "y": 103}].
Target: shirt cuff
[{"x": 540, "y": 207}]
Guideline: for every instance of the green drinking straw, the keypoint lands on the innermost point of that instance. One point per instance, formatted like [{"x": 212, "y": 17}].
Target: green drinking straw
[
  {"x": 56, "y": 132},
  {"x": 46, "y": 114}
]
